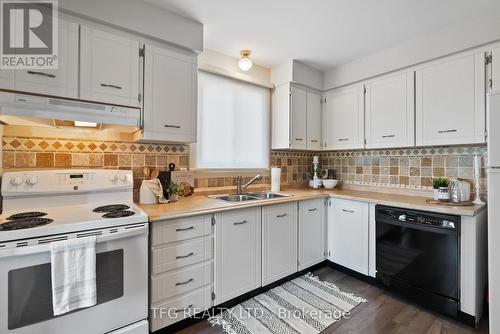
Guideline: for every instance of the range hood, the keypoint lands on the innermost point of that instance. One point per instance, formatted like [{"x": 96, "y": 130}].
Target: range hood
[{"x": 30, "y": 110}]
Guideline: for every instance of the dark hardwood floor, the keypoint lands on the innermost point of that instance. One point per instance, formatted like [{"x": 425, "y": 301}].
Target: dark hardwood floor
[{"x": 382, "y": 314}]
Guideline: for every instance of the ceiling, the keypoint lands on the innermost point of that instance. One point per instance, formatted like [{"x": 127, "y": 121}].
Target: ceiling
[{"x": 321, "y": 33}]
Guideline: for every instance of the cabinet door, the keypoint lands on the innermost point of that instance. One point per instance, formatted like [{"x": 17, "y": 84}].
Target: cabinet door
[
  {"x": 495, "y": 70},
  {"x": 62, "y": 82},
  {"x": 343, "y": 118},
  {"x": 237, "y": 253},
  {"x": 311, "y": 232},
  {"x": 279, "y": 241},
  {"x": 298, "y": 136},
  {"x": 390, "y": 112},
  {"x": 6, "y": 79},
  {"x": 348, "y": 234},
  {"x": 109, "y": 67},
  {"x": 170, "y": 96},
  {"x": 450, "y": 107},
  {"x": 313, "y": 121}
]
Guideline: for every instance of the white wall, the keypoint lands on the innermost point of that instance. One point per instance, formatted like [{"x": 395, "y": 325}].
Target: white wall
[
  {"x": 140, "y": 17},
  {"x": 454, "y": 38},
  {"x": 218, "y": 63}
]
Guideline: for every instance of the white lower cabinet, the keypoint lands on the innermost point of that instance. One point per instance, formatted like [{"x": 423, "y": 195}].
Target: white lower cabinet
[
  {"x": 237, "y": 253},
  {"x": 348, "y": 231},
  {"x": 312, "y": 231},
  {"x": 279, "y": 241}
]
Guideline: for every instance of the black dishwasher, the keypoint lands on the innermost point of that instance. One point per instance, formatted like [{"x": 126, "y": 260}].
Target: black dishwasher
[{"x": 418, "y": 255}]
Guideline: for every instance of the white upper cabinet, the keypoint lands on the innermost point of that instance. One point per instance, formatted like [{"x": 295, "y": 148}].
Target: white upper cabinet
[
  {"x": 313, "y": 121},
  {"x": 170, "y": 95},
  {"x": 390, "y": 112},
  {"x": 450, "y": 101},
  {"x": 311, "y": 232},
  {"x": 109, "y": 67},
  {"x": 279, "y": 241},
  {"x": 495, "y": 70},
  {"x": 296, "y": 118},
  {"x": 62, "y": 82},
  {"x": 343, "y": 118}
]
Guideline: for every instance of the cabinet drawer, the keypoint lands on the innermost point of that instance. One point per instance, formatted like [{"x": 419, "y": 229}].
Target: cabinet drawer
[
  {"x": 162, "y": 315},
  {"x": 180, "y": 229},
  {"x": 181, "y": 255},
  {"x": 181, "y": 281}
]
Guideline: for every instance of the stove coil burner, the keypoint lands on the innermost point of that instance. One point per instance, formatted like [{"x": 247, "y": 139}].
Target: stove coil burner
[
  {"x": 112, "y": 208},
  {"x": 29, "y": 222},
  {"x": 22, "y": 215},
  {"x": 118, "y": 214}
]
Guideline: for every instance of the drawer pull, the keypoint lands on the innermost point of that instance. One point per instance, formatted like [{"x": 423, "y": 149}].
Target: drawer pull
[
  {"x": 348, "y": 211},
  {"x": 110, "y": 86},
  {"x": 343, "y": 139},
  {"x": 313, "y": 209},
  {"x": 299, "y": 139},
  {"x": 314, "y": 141},
  {"x": 184, "y": 256},
  {"x": 240, "y": 223},
  {"x": 281, "y": 216},
  {"x": 184, "y": 309},
  {"x": 388, "y": 136},
  {"x": 447, "y": 131},
  {"x": 186, "y": 282},
  {"x": 172, "y": 126},
  {"x": 185, "y": 229},
  {"x": 42, "y": 73}
]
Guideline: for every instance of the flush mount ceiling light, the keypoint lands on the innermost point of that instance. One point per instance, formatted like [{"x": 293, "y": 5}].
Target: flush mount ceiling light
[
  {"x": 85, "y": 124},
  {"x": 245, "y": 62}
]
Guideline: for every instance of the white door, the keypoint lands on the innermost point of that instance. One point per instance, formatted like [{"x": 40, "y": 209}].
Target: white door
[
  {"x": 311, "y": 232},
  {"x": 494, "y": 248},
  {"x": 170, "y": 95},
  {"x": 279, "y": 241},
  {"x": 343, "y": 118},
  {"x": 298, "y": 111},
  {"x": 494, "y": 129},
  {"x": 237, "y": 253},
  {"x": 495, "y": 69},
  {"x": 450, "y": 107},
  {"x": 348, "y": 234},
  {"x": 109, "y": 67},
  {"x": 390, "y": 111},
  {"x": 313, "y": 121},
  {"x": 62, "y": 82}
]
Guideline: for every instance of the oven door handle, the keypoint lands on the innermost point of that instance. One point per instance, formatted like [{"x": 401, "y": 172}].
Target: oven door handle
[{"x": 106, "y": 235}]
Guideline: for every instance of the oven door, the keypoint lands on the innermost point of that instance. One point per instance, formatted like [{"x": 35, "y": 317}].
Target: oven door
[
  {"x": 422, "y": 256},
  {"x": 121, "y": 275}
]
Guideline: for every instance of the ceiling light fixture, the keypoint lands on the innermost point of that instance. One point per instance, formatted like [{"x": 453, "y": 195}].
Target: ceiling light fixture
[
  {"x": 245, "y": 62},
  {"x": 85, "y": 124}
]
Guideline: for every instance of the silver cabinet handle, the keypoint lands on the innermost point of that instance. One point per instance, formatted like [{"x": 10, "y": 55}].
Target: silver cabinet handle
[
  {"x": 42, "y": 73},
  {"x": 240, "y": 223},
  {"x": 185, "y": 229},
  {"x": 281, "y": 216},
  {"x": 172, "y": 126},
  {"x": 184, "y": 309},
  {"x": 186, "y": 282},
  {"x": 299, "y": 139},
  {"x": 447, "y": 131},
  {"x": 314, "y": 141},
  {"x": 111, "y": 86},
  {"x": 313, "y": 209},
  {"x": 388, "y": 136},
  {"x": 184, "y": 256},
  {"x": 343, "y": 139},
  {"x": 348, "y": 211}
]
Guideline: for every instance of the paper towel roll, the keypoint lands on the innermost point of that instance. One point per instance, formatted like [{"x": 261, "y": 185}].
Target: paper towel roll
[{"x": 275, "y": 179}]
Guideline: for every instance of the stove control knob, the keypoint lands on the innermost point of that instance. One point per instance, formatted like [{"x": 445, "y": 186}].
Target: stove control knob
[
  {"x": 113, "y": 177},
  {"x": 17, "y": 180},
  {"x": 32, "y": 180},
  {"x": 123, "y": 177}
]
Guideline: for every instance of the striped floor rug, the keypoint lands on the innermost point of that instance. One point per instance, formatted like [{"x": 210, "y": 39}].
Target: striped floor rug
[{"x": 301, "y": 306}]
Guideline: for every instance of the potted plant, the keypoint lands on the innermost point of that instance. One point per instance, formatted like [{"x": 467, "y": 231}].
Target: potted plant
[
  {"x": 439, "y": 182},
  {"x": 173, "y": 190}
]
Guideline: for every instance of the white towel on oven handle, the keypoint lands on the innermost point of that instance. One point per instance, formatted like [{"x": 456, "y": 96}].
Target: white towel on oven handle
[{"x": 73, "y": 266}]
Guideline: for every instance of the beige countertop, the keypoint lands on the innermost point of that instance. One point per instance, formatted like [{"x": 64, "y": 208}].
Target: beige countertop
[{"x": 202, "y": 205}]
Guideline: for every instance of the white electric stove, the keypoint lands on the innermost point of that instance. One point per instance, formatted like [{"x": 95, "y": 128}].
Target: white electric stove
[{"x": 44, "y": 206}]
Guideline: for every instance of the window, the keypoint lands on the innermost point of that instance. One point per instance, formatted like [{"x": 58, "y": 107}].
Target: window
[{"x": 233, "y": 124}]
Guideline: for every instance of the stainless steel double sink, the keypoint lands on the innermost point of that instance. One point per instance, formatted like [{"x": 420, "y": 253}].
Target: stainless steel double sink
[{"x": 248, "y": 196}]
